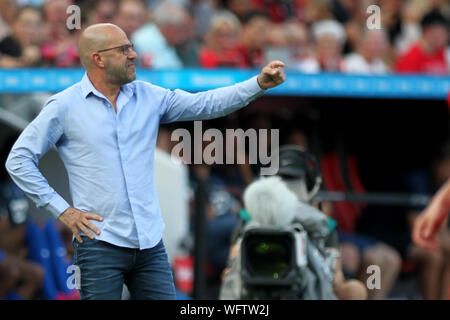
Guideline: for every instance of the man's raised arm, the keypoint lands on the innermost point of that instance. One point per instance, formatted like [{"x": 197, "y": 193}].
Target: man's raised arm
[{"x": 185, "y": 106}]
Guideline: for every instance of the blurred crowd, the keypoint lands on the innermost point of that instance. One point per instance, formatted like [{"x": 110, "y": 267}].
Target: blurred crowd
[{"x": 309, "y": 36}]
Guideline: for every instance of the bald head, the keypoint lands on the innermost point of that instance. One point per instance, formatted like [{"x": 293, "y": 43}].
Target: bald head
[{"x": 97, "y": 37}]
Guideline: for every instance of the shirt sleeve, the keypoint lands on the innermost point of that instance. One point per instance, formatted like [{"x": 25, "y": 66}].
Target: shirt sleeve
[
  {"x": 185, "y": 106},
  {"x": 22, "y": 163}
]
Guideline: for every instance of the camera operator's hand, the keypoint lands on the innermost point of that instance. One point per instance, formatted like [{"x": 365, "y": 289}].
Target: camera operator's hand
[
  {"x": 272, "y": 75},
  {"x": 77, "y": 220}
]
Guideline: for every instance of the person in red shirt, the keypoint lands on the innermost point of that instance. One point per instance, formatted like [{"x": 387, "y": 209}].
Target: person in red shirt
[
  {"x": 59, "y": 49},
  {"x": 220, "y": 49},
  {"x": 428, "y": 55},
  {"x": 256, "y": 27}
]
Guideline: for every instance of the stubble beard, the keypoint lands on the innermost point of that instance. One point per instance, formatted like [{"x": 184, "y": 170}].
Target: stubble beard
[{"x": 120, "y": 75}]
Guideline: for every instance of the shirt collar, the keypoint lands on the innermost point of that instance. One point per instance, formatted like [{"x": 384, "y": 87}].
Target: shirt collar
[{"x": 87, "y": 87}]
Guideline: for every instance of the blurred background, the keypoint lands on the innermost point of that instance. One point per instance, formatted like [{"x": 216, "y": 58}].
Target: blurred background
[{"x": 371, "y": 105}]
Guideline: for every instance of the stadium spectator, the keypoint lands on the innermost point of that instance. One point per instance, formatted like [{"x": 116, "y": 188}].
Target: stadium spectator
[
  {"x": 21, "y": 48},
  {"x": 255, "y": 30},
  {"x": 131, "y": 15},
  {"x": 8, "y": 10},
  {"x": 411, "y": 15},
  {"x": 277, "y": 35},
  {"x": 101, "y": 11},
  {"x": 156, "y": 42},
  {"x": 221, "y": 42},
  {"x": 202, "y": 11},
  {"x": 300, "y": 51},
  {"x": 280, "y": 11},
  {"x": 352, "y": 16},
  {"x": 241, "y": 8},
  {"x": 428, "y": 55},
  {"x": 359, "y": 248},
  {"x": 329, "y": 37},
  {"x": 391, "y": 17},
  {"x": 359, "y": 251},
  {"x": 59, "y": 48},
  {"x": 344, "y": 10},
  {"x": 369, "y": 57},
  {"x": 316, "y": 11}
]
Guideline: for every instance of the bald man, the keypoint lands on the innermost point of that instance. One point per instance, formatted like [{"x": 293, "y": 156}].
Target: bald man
[{"x": 105, "y": 128}]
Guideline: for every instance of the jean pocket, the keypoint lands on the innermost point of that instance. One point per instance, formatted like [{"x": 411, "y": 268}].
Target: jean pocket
[{"x": 86, "y": 242}]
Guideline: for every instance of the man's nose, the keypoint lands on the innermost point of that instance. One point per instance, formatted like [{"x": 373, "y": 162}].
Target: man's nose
[{"x": 132, "y": 55}]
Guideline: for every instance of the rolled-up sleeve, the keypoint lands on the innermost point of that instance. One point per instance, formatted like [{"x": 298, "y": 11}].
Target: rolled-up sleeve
[
  {"x": 185, "y": 106},
  {"x": 33, "y": 143}
]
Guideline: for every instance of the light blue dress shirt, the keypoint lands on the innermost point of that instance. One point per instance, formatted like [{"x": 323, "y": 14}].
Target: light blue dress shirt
[{"x": 109, "y": 156}]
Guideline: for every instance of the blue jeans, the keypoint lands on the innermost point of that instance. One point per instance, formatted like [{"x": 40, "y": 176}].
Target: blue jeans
[{"x": 104, "y": 268}]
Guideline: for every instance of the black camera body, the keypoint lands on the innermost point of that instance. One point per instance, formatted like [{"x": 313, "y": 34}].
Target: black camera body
[{"x": 272, "y": 263}]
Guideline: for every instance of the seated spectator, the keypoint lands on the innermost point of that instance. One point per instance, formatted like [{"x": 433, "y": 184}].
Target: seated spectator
[
  {"x": 360, "y": 251},
  {"x": 241, "y": 8},
  {"x": 155, "y": 42},
  {"x": 277, "y": 36},
  {"x": 410, "y": 30},
  {"x": 202, "y": 13},
  {"x": 60, "y": 48},
  {"x": 428, "y": 55},
  {"x": 316, "y": 11},
  {"x": 329, "y": 37},
  {"x": 101, "y": 11},
  {"x": 298, "y": 42},
  {"x": 352, "y": 15},
  {"x": 279, "y": 11},
  {"x": 221, "y": 42},
  {"x": 344, "y": 10},
  {"x": 369, "y": 57},
  {"x": 21, "y": 48},
  {"x": 8, "y": 9},
  {"x": 131, "y": 15},
  {"x": 188, "y": 45},
  {"x": 360, "y": 247},
  {"x": 255, "y": 31}
]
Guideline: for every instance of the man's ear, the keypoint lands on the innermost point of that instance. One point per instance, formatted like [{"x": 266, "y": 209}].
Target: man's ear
[{"x": 98, "y": 60}]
